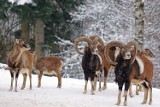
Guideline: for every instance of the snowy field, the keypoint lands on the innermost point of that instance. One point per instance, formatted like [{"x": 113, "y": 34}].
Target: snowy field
[{"x": 70, "y": 95}]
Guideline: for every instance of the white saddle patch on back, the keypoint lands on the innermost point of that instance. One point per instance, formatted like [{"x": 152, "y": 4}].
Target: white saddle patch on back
[
  {"x": 37, "y": 71},
  {"x": 116, "y": 53},
  {"x": 100, "y": 58},
  {"x": 141, "y": 64}
]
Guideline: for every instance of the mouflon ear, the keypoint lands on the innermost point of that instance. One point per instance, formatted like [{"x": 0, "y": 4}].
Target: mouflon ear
[{"x": 17, "y": 41}]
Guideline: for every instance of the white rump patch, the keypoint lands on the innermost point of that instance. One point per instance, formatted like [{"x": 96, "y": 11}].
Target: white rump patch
[
  {"x": 141, "y": 64},
  {"x": 37, "y": 71},
  {"x": 24, "y": 70}
]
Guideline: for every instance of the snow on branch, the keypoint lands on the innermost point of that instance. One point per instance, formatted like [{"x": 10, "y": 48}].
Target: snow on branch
[{"x": 63, "y": 42}]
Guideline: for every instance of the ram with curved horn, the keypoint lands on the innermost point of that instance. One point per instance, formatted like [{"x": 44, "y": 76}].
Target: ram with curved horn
[
  {"x": 106, "y": 66},
  {"x": 91, "y": 61},
  {"x": 81, "y": 39},
  {"x": 131, "y": 65},
  {"x": 148, "y": 54},
  {"x": 101, "y": 43}
]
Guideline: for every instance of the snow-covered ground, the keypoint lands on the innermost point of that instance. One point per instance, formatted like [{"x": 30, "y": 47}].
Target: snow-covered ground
[{"x": 70, "y": 95}]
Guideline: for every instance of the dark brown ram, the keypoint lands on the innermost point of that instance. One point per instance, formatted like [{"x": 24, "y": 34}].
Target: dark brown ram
[
  {"x": 131, "y": 65},
  {"x": 91, "y": 60}
]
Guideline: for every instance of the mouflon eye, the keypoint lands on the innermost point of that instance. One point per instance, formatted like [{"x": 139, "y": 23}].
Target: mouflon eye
[{"x": 122, "y": 50}]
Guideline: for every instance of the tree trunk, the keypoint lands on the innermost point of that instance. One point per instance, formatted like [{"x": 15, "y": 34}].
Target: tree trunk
[
  {"x": 3, "y": 52},
  {"x": 139, "y": 22},
  {"x": 39, "y": 37},
  {"x": 25, "y": 31}
]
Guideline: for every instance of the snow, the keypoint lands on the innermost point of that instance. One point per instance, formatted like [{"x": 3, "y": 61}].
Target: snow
[
  {"x": 70, "y": 95},
  {"x": 21, "y": 1},
  {"x": 63, "y": 42}
]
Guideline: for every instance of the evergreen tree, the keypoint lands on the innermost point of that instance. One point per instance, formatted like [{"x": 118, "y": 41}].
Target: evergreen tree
[
  {"x": 4, "y": 17},
  {"x": 54, "y": 18}
]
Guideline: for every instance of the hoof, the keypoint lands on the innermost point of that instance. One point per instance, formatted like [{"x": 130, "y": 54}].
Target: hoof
[
  {"x": 15, "y": 90},
  {"x": 58, "y": 86},
  {"x": 150, "y": 103},
  {"x": 85, "y": 92},
  {"x": 38, "y": 86},
  {"x": 10, "y": 89},
  {"x": 22, "y": 88},
  {"x": 104, "y": 88},
  {"x": 125, "y": 104},
  {"x": 92, "y": 93},
  {"x": 131, "y": 95},
  {"x": 118, "y": 104},
  {"x": 100, "y": 89},
  {"x": 144, "y": 102}
]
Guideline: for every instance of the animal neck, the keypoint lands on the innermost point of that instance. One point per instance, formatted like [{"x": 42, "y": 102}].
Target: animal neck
[
  {"x": 100, "y": 58},
  {"x": 126, "y": 62},
  {"x": 18, "y": 59},
  {"x": 88, "y": 52},
  {"x": 13, "y": 55},
  {"x": 123, "y": 62}
]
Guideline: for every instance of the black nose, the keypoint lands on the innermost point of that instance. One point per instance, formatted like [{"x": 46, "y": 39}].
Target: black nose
[{"x": 128, "y": 55}]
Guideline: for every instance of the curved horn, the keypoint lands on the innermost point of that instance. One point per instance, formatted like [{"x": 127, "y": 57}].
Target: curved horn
[
  {"x": 99, "y": 40},
  {"x": 107, "y": 50},
  {"x": 81, "y": 39},
  {"x": 134, "y": 48}
]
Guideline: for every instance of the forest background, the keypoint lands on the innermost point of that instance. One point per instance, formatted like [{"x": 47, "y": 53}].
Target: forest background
[{"x": 50, "y": 27}]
